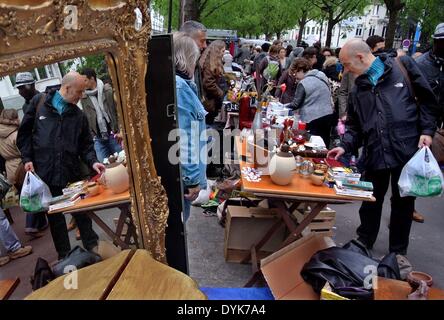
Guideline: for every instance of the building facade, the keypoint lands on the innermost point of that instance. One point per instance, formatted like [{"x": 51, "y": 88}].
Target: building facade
[
  {"x": 45, "y": 76},
  {"x": 373, "y": 22}
]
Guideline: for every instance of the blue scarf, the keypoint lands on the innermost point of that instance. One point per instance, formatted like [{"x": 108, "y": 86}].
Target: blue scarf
[
  {"x": 58, "y": 102},
  {"x": 375, "y": 71}
]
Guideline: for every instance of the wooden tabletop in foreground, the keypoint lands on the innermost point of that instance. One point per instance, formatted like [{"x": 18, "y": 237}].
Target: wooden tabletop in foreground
[{"x": 129, "y": 275}]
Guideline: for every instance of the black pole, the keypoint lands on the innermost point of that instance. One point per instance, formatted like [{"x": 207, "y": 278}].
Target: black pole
[{"x": 170, "y": 15}]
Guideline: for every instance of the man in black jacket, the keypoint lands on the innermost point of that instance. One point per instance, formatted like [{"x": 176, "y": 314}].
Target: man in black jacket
[
  {"x": 385, "y": 118},
  {"x": 25, "y": 84},
  {"x": 432, "y": 65},
  {"x": 51, "y": 138}
]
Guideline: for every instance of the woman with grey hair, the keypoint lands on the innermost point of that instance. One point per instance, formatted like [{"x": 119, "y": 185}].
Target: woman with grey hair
[{"x": 191, "y": 117}]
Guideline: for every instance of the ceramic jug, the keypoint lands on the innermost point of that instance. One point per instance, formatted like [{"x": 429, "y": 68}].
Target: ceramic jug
[
  {"x": 116, "y": 178},
  {"x": 282, "y": 166}
]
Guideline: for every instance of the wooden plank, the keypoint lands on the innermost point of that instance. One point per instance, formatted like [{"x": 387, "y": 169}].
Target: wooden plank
[
  {"x": 237, "y": 255},
  {"x": 244, "y": 229},
  {"x": 93, "y": 281},
  {"x": 321, "y": 225},
  {"x": 147, "y": 279},
  {"x": 7, "y": 287},
  {"x": 389, "y": 289},
  {"x": 116, "y": 239}
]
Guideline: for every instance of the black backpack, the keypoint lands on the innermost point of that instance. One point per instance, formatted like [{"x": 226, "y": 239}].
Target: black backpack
[{"x": 42, "y": 274}]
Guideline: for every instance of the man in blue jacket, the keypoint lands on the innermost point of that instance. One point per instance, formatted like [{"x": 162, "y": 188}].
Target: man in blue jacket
[{"x": 392, "y": 112}]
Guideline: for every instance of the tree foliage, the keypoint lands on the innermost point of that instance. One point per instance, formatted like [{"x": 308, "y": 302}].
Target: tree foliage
[
  {"x": 248, "y": 17},
  {"x": 337, "y": 10},
  {"x": 428, "y": 12},
  {"x": 96, "y": 62}
]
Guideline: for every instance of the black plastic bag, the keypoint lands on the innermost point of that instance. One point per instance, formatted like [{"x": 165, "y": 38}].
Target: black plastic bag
[
  {"x": 346, "y": 270},
  {"x": 42, "y": 274},
  {"x": 77, "y": 257}
]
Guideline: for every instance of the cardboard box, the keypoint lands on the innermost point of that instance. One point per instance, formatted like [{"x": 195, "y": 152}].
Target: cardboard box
[
  {"x": 282, "y": 269},
  {"x": 322, "y": 223},
  {"x": 245, "y": 227}
]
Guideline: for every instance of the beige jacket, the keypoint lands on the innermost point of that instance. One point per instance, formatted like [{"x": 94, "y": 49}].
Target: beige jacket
[{"x": 8, "y": 148}]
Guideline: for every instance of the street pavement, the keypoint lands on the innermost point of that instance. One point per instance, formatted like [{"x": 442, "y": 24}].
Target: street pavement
[{"x": 205, "y": 238}]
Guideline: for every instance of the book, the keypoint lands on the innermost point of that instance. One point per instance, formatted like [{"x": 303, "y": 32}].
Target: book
[
  {"x": 332, "y": 163},
  {"x": 353, "y": 193},
  {"x": 63, "y": 205},
  {"x": 57, "y": 199},
  {"x": 361, "y": 185},
  {"x": 344, "y": 175}
]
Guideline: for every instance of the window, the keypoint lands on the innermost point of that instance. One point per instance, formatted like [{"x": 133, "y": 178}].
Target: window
[
  {"x": 313, "y": 30},
  {"x": 359, "y": 30},
  {"x": 384, "y": 31},
  {"x": 371, "y": 32},
  {"x": 308, "y": 31},
  {"x": 317, "y": 30},
  {"x": 41, "y": 73},
  {"x": 376, "y": 10},
  {"x": 49, "y": 71}
]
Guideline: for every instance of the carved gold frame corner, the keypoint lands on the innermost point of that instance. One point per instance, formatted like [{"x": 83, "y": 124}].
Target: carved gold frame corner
[{"x": 39, "y": 32}]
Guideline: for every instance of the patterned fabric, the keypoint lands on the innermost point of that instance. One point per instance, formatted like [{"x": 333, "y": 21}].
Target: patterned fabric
[
  {"x": 58, "y": 102},
  {"x": 375, "y": 71}
]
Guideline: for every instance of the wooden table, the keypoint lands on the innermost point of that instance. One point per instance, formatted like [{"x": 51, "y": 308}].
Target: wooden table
[
  {"x": 389, "y": 289},
  {"x": 7, "y": 287},
  {"x": 106, "y": 200},
  {"x": 286, "y": 199},
  {"x": 129, "y": 275}
]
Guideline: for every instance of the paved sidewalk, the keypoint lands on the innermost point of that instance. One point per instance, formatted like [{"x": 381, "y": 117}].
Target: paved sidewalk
[{"x": 209, "y": 269}]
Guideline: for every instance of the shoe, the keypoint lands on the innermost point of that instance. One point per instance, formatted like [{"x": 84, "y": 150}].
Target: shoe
[
  {"x": 23, "y": 251},
  {"x": 78, "y": 237},
  {"x": 418, "y": 217},
  {"x": 35, "y": 235},
  {"x": 4, "y": 260},
  {"x": 72, "y": 225},
  {"x": 44, "y": 228}
]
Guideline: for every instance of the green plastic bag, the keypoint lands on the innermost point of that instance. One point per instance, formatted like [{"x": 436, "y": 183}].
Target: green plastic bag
[
  {"x": 272, "y": 70},
  {"x": 421, "y": 176}
]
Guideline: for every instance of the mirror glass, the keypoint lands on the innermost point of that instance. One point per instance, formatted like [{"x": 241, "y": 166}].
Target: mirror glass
[{"x": 62, "y": 118}]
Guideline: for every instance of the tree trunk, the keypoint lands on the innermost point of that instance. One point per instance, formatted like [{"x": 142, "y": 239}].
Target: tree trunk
[
  {"x": 320, "y": 33},
  {"x": 331, "y": 23},
  {"x": 190, "y": 10},
  {"x": 302, "y": 24},
  {"x": 278, "y": 35},
  {"x": 391, "y": 28}
]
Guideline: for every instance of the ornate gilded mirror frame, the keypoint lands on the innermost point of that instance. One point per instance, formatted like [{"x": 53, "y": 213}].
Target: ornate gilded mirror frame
[{"x": 40, "y": 32}]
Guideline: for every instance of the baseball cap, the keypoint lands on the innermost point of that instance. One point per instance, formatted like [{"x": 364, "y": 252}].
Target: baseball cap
[
  {"x": 439, "y": 31},
  {"x": 23, "y": 78}
]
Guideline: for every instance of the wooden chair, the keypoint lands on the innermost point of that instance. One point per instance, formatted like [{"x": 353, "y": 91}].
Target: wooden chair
[{"x": 7, "y": 287}]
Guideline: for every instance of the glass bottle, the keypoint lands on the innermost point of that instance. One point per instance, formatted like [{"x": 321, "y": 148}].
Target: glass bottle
[{"x": 353, "y": 166}]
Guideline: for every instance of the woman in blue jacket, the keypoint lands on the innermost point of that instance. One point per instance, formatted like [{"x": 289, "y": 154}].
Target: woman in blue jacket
[{"x": 191, "y": 117}]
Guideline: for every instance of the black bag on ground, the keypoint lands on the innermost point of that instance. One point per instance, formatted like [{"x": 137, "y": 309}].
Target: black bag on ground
[
  {"x": 42, "y": 274},
  {"x": 77, "y": 257},
  {"x": 346, "y": 269}
]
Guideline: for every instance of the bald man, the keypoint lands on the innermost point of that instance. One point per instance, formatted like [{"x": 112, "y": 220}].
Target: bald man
[
  {"x": 53, "y": 135},
  {"x": 391, "y": 113}
]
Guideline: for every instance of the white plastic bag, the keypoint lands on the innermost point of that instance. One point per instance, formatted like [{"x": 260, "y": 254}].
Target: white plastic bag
[
  {"x": 35, "y": 196},
  {"x": 204, "y": 195},
  {"x": 421, "y": 176}
]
